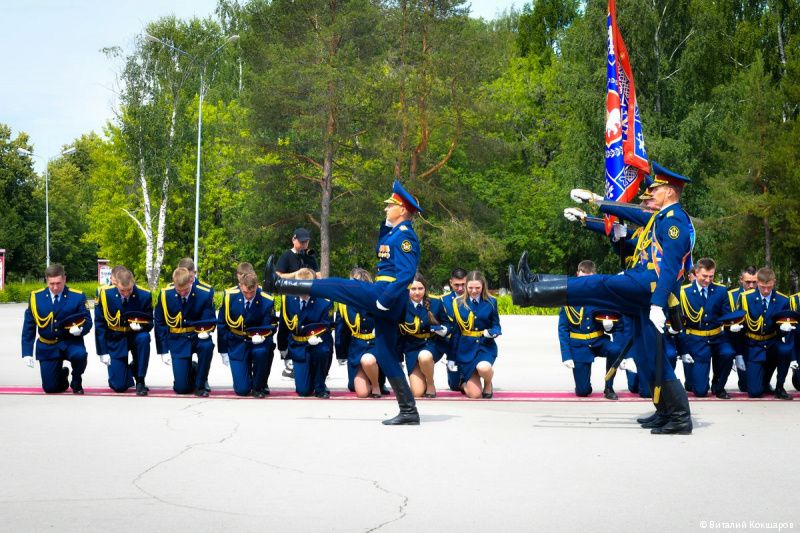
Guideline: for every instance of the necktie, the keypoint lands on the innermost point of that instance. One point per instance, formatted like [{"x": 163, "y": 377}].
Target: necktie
[
  {"x": 183, "y": 300},
  {"x": 302, "y": 305},
  {"x": 704, "y": 293},
  {"x": 765, "y": 303},
  {"x": 124, "y": 301},
  {"x": 55, "y": 299},
  {"x": 474, "y": 302},
  {"x": 247, "y": 306}
]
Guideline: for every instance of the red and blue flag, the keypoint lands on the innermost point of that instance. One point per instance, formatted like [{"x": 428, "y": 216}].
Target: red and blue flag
[{"x": 626, "y": 158}]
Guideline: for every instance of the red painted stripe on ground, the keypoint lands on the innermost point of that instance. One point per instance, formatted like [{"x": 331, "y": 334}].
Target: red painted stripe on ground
[{"x": 289, "y": 394}]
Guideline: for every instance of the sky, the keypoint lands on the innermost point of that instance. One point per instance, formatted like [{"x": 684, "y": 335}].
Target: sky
[{"x": 56, "y": 84}]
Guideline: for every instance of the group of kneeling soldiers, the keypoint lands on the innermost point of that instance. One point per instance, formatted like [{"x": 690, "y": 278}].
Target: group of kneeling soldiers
[
  {"x": 749, "y": 328},
  {"x": 462, "y": 325}
]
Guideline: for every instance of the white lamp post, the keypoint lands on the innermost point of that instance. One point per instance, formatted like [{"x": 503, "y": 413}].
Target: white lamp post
[
  {"x": 22, "y": 151},
  {"x": 202, "y": 66}
]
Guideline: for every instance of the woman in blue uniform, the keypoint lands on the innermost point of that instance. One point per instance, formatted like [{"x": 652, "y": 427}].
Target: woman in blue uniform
[
  {"x": 417, "y": 339},
  {"x": 355, "y": 342},
  {"x": 476, "y": 314}
]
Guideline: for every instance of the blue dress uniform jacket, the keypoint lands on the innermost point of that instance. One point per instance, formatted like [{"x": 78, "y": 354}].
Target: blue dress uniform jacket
[
  {"x": 355, "y": 336},
  {"x": 398, "y": 254},
  {"x": 662, "y": 258},
  {"x": 113, "y": 335},
  {"x": 702, "y": 336},
  {"x": 250, "y": 363},
  {"x": 56, "y": 344},
  {"x": 582, "y": 338},
  {"x": 767, "y": 347},
  {"x": 472, "y": 347},
  {"x": 449, "y": 342},
  {"x": 416, "y": 335},
  {"x": 639, "y": 216},
  {"x": 311, "y": 363},
  {"x": 175, "y": 333}
]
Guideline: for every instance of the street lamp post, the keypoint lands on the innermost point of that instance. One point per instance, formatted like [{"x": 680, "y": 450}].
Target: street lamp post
[
  {"x": 24, "y": 152},
  {"x": 202, "y": 67}
]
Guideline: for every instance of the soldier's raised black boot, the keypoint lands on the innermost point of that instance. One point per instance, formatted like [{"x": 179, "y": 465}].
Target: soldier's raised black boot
[
  {"x": 409, "y": 415},
  {"x": 677, "y": 409},
  {"x": 550, "y": 293},
  {"x": 277, "y": 285}
]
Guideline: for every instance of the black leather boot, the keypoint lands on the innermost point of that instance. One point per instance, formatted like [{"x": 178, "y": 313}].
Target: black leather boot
[
  {"x": 408, "y": 407},
  {"x": 646, "y": 419},
  {"x": 796, "y": 380},
  {"x": 550, "y": 293},
  {"x": 677, "y": 409},
  {"x": 277, "y": 285},
  {"x": 141, "y": 388}
]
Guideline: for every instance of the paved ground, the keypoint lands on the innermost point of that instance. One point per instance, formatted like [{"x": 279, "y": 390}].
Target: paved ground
[{"x": 122, "y": 463}]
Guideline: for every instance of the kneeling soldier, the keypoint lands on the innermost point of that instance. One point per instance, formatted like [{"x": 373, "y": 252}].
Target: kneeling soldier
[
  {"x": 123, "y": 319},
  {"x": 184, "y": 318},
  {"x": 60, "y": 317},
  {"x": 244, "y": 335}
]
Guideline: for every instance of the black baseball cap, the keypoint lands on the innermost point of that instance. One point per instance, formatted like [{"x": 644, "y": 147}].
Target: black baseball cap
[{"x": 302, "y": 234}]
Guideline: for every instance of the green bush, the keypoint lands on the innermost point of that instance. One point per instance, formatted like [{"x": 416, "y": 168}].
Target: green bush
[
  {"x": 19, "y": 292},
  {"x": 505, "y": 307}
]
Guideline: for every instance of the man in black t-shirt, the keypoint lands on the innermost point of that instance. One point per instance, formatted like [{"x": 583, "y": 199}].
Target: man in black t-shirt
[
  {"x": 292, "y": 260},
  {"x": 298, "y": 256}
]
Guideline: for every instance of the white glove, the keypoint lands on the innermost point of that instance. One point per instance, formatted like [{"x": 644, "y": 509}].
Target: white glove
[
  {"x": 569, "y": 363},
  {"x": 739, "y": 360},
  {"x": 671, "y": 331},
  {"x": 166, "y": 359},
  {"x": 736, "y": 328},
  {"x": 225, "y": 359},
  {"x": 608, "y": 325},
  {"x": 786, "y": 327},
  {"x": 629, "y": 365},
  {"x": 283, "y": 353},
  {"x": 488, "y": 335},
  {"x": 441, "y": 331},
  {"x": 203, "y": 335},
  {"x": 379, "y": 306},
  {"x": 257, "y": 339},
  {"x": 620, "y": 232},
  {"x": 794, "y": 365},
  {"x": 451, "y": 366},
  {"x": 135, "y": 326},
  {"x": 657, "y": 317},
  {"x": 687, "y": 358},
  {"x": 573, "y": 214},
  {"x": 314, "y": 340},
  {"x": 28, "y": 360},
  {"x": 105, "y": 359},
  {"x": 76, "y": 330},
  {"x": 582, "y": 195}
]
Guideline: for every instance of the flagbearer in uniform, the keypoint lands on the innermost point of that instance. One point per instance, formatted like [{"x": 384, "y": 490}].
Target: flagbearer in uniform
[
  {"x": 184, "y": 319},
  {"x": 123, "y": 320},
  {"x": 398, "y": 256},
  {"x": 645, "y": 292},
  {"x": 245, "y": 335},
  {"x": 58, "y": 315}
]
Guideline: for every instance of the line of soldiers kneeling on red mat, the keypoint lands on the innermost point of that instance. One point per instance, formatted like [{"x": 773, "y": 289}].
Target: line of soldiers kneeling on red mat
[
  {"x": 462, "y": 324},
  {"x": 749, "y": 328}
]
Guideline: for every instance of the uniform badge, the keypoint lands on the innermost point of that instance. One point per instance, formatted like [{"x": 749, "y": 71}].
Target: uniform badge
[
  {"x": 406, "y": 246},
  {"x": 673, "y": 232}
]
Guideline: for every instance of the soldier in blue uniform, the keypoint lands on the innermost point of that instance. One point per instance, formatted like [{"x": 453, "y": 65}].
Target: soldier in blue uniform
[
  {"x": 58, "y": 315},
  {"x": 585, "y": 333},
  {"x": 644, "y": 292},
  {"x": 702, "y": 339},
  {"x": 442, "y": 309},
  {"x": 355, "y": 343},
  {"x": 308, "y": 322},
  {"x": 475, "y": 312},
  {"x": 245, "y": 335},
  {"x": 794, "y": 305},
  {"x": 123, "y": 319},
  {"x": 184, "y": 318},
  {"x": 398, "y": 256},
  {"x": 768, "y": 342},
  {"x": 418, "y": 332},
  {"x": 735, "y": 338}
]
